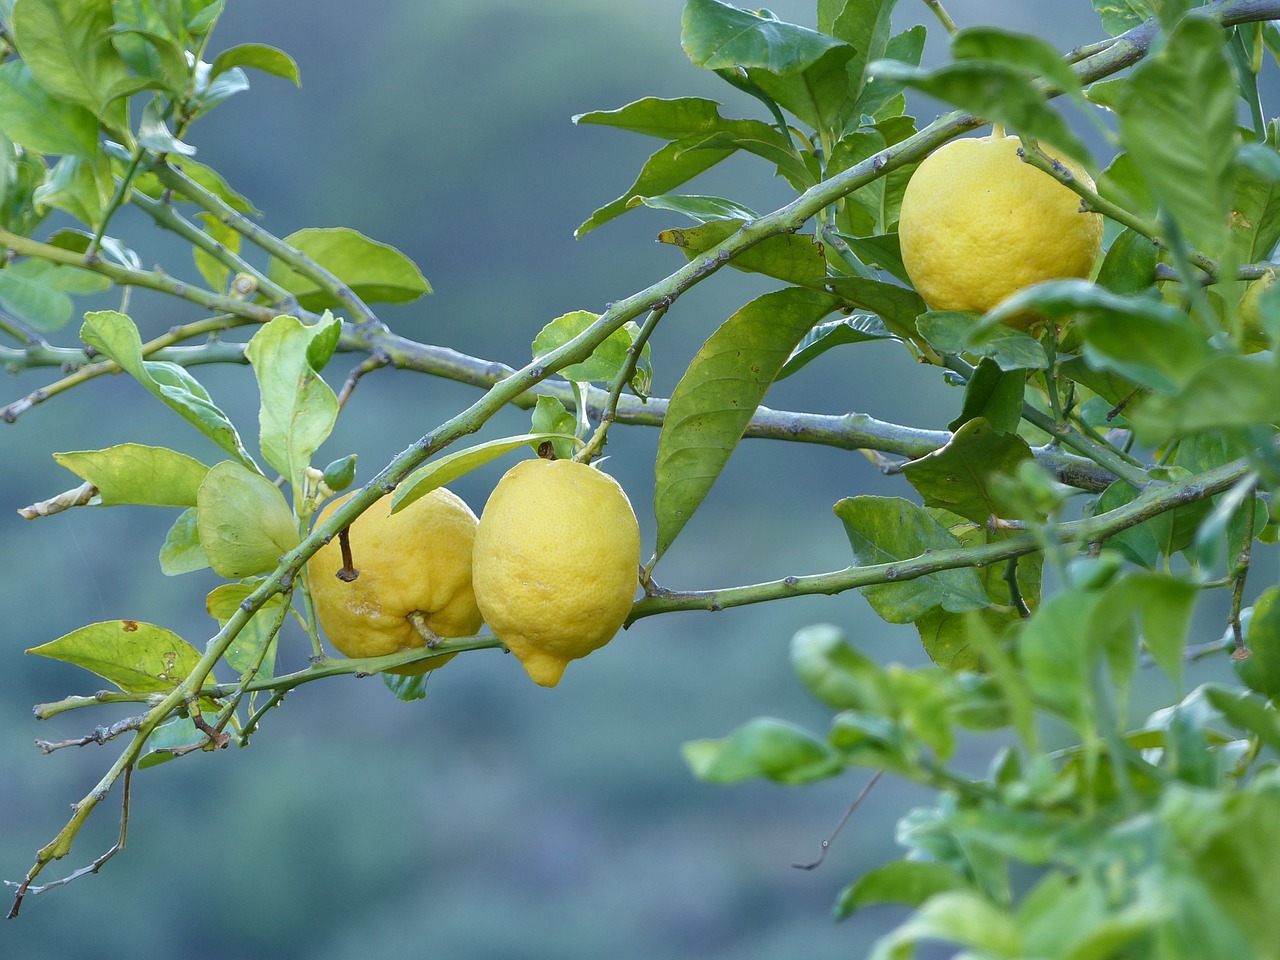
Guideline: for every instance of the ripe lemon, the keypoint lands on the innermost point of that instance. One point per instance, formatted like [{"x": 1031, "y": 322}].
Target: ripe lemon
[
  {"x": 978, "y": 224},
  {"x": 557, "y": 556},
  {"x": 415, "y": 561}
]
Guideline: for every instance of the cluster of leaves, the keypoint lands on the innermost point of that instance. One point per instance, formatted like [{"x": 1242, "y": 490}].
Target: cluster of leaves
[
  {"x": 1124, "y": 442},
  {"x": 1149, "y": 838}
]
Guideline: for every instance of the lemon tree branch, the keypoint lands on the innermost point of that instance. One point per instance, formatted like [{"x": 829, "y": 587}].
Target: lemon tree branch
[
  {"x": 156, "y": 280},
  {"x": 1158, "y": 498},
  {"x": 174, "y": 178}
]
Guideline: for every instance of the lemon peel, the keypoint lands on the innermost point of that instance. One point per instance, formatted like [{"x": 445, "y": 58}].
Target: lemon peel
[
  {"x": 557, "y": 556},
  {"x": 978, "y": 224},
  {"x": 415, "y": 564}
]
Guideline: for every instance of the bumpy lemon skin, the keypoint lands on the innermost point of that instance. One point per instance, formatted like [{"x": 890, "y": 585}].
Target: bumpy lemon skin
[
  {"x": 978, "y": 224},
  {"x": 556, "y": 564},
  {"x": 416, "y": 560}
]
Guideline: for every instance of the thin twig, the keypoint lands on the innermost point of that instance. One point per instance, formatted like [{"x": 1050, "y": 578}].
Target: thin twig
[
  {"x": 634, "y": 352},
  {"x": 99, "y": 736},
  {"x": 943, "y": 17},
  {"x": 173, "y": 177},
  {"x": 1241, "y": 572},
  {"x": 156, "y": 280},
  {"x": 826, "y": 844},
  {"x": 368, "y": 365},
  {"x": 24, "y": 888},
  {"x": 212, "y": 352}
]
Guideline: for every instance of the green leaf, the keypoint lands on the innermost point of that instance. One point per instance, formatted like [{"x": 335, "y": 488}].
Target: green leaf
[
  {"x": 700, "y": 209},
  {"x": 182, "y": 552},
  {"x": 137, "y": 657},
  {"x": 407, "y": 688},
  {"x": 176, "y": 733},
  {"x": 1059, "y": 654},
  {"x": 375, "y": 272},
  {"x": 154, "y": 133},
  {"x": 1121, "y": 15},
  {"x": 1031, "y": 54},
  {"x": 1245, "y": 711},
  {"x": 865, "y": 27},
  {"x": 550, "y": 415},
  {"x": 298, "y": 408},
  {"x": 1161, "y": 536},
  {"x": 216, "y": 273},
  {"x": 836, "y": 673},
  {"x": 258, "y": 56},
  {"x": 1164, "y": 605},
  {"x": 859, "y": 328},
  {"x": 152, "y": 41},
  {"x": 753, "y": 136},
  {"x": 882, "y": 96},
  {"x": 962, "y": 917},
  {"x": 1260, "y": 670},
  {"x": 203, "y": 176},
  {"x": 897, "y": 306},
  {"x": 246, "y": 651},
  {"x": 244, "y": 522},
  {"x": 715, "y": 399},
  {"x": 882, "y": 252},
  {"x": 67, "y": 45},
  {"x": 607, "y": 360},
  {"x": 114, "y": 336},
  {"x": 1178, "y": 122},
  {"x": 448, "y": 468},
  {"x": 1151, "y": 343},
  {"x": 948, "y": 638},
  {"x": 763, "y": 747},
  {"x": 1129, "y": 265},
  {"x": 133, "y": 473},
  {"x": 887, "y": 530},
  {"x": 957, "y": 331},
  {"x": 42, "y": 123},
  {"x": 24, "y": 294},
  {"x": 668, "y": 119},
  {"x": 1226, "y": 393},
  {"x": 995, "y": 91},
  {"x": 906, "y": 882},
  {"x": 665, "y": 170},
  {"x": 1255, "y": 207},
  {"x": 994, "y": 394},
  {"x": 1234, "y": 855},
  {"x": 82, "y": 187},
  {"x": 792, "y": 258},
  {"x": 957, "y": 476},
  {"x": 804, "y": 71}
]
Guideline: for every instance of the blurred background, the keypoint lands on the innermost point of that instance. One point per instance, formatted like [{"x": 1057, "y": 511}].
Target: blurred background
[{"x": 494, "y": 819}]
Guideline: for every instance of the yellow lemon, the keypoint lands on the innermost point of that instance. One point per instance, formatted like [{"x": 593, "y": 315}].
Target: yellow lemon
[
  {"x": 978, "y": 224},
  {"x": 557, "y": 558},
  {"x": 415, "y": 563}
]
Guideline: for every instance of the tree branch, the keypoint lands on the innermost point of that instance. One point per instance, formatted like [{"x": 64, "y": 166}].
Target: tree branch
[{"x": 1157, "y": 498}]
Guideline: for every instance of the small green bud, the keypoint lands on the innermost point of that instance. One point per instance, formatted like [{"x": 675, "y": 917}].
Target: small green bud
[{"x": 339, "y": 474}]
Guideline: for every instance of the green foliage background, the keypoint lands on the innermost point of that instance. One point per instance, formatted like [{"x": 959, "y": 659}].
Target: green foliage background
[{"x": 495, "y": 819}]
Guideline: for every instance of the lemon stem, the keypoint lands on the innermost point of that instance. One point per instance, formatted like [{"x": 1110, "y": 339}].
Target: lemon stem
[
  {"x": 348, "y": 573},
  {"x": 419, "y": 621},
  {"x": 997, "y": 131},
  {"x": 943, "y": 17}
]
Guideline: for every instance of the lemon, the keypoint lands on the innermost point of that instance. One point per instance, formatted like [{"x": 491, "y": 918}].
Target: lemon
[
  {"x": 978, "y": 224},
  {"x": 415, "y": 562},
  {"x": 556, "y": 564}
]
